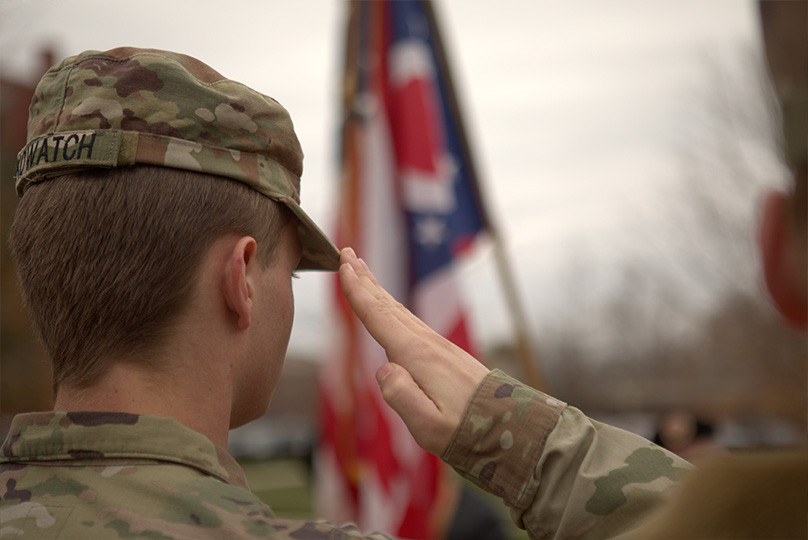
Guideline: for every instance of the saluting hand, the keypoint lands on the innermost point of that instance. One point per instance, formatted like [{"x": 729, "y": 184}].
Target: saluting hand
[{"x": 429, "y": 380}]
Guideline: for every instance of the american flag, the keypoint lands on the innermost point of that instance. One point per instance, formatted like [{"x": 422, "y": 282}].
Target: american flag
[{"x": 409, "y": 205}]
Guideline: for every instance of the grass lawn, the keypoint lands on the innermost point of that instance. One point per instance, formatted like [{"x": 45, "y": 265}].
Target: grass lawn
[{"x": 285, "y": 485}]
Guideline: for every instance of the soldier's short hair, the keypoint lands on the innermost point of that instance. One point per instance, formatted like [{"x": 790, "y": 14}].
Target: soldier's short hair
[{"x": 107, "y": 260}]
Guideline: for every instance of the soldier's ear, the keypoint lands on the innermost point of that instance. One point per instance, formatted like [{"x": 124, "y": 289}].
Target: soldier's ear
[
  {"x": 780, "y": 264},
  {"x": 237, "y": 286}
]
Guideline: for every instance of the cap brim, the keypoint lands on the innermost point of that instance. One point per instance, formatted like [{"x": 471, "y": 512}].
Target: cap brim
[{"x": 317, "y": 251}]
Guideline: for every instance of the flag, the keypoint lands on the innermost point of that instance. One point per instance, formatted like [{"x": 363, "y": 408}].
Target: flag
[{"x": 409, "y": 205}]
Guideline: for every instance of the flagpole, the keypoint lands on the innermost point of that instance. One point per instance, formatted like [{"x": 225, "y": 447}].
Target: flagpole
[
  {"x": 528, "y": 361},
  {"x": 524, "y": 350}
]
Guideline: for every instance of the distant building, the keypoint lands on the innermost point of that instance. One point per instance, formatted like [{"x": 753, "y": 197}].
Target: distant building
[{"x": 24, "y": 372}]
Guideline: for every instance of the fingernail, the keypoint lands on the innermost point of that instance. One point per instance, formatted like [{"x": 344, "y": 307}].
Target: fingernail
[
  {"x": 351, "y": 253},
  {"x": 349, "y": 267},
  {"x": 364, "y": 264},
  {"x": 384, "y": 371}
]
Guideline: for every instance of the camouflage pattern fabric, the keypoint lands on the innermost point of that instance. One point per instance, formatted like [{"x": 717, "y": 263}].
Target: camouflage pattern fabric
[
  {"x": 115, "y": 475},
  {"x": 132, "y": 106},
  {"x": 562, "y": 474},
  {"x": 754, "y": 494},
  {"x": 88, "y": 475}
]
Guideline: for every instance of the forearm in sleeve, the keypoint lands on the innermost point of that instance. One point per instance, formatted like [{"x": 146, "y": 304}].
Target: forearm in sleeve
[{"x": 562, "y": 474}]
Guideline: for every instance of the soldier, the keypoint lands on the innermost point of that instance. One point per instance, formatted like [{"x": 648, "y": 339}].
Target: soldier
[
  {"x": 117, "y": 466},
  {"x": 156, "y": 239}
]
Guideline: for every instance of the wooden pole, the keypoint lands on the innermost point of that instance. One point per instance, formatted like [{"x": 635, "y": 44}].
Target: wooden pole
[{"x": 524, "y": 350}]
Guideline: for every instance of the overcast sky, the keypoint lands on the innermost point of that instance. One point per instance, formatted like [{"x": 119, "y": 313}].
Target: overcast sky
[{"x": 574, "y": 108}]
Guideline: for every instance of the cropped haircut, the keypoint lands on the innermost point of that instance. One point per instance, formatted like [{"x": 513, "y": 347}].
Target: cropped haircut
[{"x": 107, "y": 260}]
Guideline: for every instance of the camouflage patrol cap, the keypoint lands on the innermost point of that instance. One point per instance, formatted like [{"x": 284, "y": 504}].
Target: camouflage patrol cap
[{"x": 132, "y": 106}]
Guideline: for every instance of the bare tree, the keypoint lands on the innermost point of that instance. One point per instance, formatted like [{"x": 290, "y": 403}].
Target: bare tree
[{"x": 689, "y": 324}]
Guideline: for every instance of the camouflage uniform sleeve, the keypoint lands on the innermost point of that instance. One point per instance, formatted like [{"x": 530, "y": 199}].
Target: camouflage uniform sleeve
[{"x": 562, "y": 474}]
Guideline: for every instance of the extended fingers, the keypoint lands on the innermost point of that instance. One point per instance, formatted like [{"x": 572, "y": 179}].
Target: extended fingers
[
  {"x": 429, "y": 380},
  {"x": 374, "y": 306},
  {"x": 383, "y": 299},
  {"x": 404, "y": 336}
]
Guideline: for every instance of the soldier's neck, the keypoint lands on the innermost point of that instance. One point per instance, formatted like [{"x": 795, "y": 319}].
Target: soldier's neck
[{"x": 195, "y": 401}]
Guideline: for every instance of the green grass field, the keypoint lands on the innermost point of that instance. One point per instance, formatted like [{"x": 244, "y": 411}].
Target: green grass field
[{"x": 285, "y": 485}]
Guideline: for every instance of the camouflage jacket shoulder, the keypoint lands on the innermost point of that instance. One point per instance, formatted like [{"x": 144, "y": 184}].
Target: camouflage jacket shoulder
[
  {"x": 562, "y": 474},
  {"x": 112, "y": 475}
]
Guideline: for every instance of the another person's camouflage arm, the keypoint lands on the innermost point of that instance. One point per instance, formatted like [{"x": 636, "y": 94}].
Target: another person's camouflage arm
[{"x": 562, "y": 474}]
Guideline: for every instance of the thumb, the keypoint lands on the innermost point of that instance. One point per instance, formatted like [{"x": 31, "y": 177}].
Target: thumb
[{"x": 419, "y": 412}]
